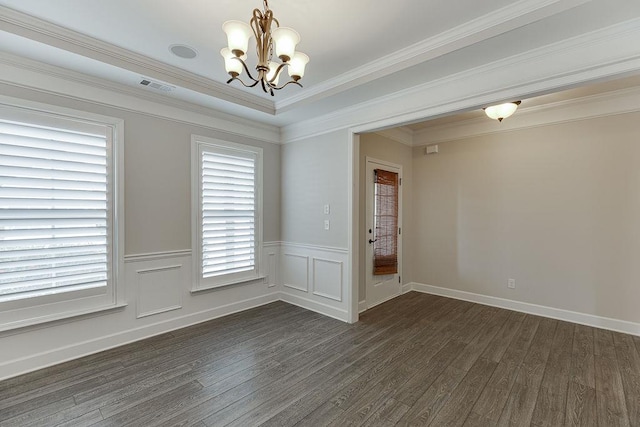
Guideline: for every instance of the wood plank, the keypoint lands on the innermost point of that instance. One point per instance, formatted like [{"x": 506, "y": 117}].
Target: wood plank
[
  {"x": 582, "y": 366},
  {"x": 455, "y": 411},
  {"x": 522, "y": 399},
  {"x": 552, "y": 397},
  {"x": 581, "y": 405},
  {"x": 629, "y": 364},
  {"x": 612, "y": 410},
  {"x": 496, "y": 393}
]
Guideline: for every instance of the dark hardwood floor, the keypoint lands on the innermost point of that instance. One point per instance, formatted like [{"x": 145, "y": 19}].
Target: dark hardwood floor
[{"x": 415, "y": 360}]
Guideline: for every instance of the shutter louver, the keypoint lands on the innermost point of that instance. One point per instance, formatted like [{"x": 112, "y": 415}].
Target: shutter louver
[
  {"x": 228, "y": 213},
  {"x": 54, "y": 211}
]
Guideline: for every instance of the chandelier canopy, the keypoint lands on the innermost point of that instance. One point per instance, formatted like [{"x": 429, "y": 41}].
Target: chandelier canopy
[{"x": 268, "y": 37}]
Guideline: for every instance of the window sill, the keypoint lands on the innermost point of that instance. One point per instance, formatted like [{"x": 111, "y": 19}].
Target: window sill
[
  {"x": 225, "y": 284},
  {"x": 58, "y": 317}
]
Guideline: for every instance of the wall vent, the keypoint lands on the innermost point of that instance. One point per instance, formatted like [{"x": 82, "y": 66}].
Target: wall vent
[{"x": 163, "y": 87}]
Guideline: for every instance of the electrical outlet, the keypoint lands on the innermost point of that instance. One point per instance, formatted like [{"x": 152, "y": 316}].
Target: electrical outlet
[{"x": 511, "y": 283}]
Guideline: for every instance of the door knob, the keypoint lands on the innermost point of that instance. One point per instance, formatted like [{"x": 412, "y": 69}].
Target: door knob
[{"x": 371, "y": 241}]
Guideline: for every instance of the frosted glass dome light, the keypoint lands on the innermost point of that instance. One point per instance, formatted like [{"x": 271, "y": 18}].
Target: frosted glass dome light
[{"x": 502, "y": 111}]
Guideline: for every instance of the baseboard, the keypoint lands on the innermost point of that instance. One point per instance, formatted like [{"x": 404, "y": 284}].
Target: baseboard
[
  {"x": 539, "y": 310},
  {"x": 42, "y": 360},
  {"x": 362, "y": 306},
  {"x": 324, "y": 309},
  {"x": 407, "y": 287}
]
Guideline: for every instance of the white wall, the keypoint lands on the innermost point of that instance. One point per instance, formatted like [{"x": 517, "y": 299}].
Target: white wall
[
  {"x": 554, "y": 207},
  {"x": 314, "y": 263},
  {"x": 315, "y": 173},
  {"x": 383, "y": 148},
  {"x": 157, "y": 221}
]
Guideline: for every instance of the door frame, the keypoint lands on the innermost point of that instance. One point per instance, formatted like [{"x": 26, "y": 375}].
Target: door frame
[{"x": 398, "y": 168}]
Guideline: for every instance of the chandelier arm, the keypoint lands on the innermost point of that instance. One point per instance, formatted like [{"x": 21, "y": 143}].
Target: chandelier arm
[
  {"x": 246, "y": 68},
  {"x": 255, "y": 82},
  {"x": 275, "y": 75},
  {"x": 287, "y": 83}
]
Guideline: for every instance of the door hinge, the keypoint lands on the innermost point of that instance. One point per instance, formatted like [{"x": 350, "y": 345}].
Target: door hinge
[
  {"x": 400, "y": 181},
  {"x": 399, "y": 230},
  {"x": 399, "y": 279}
]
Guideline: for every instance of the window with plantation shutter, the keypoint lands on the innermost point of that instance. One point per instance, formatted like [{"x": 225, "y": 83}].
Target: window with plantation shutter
[
  {"x": 228, "y": 212},
  {"x": 56, "y": 214}
]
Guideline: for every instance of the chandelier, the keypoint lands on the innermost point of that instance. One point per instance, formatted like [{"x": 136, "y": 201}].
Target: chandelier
[{"x": 282, "y": 39}]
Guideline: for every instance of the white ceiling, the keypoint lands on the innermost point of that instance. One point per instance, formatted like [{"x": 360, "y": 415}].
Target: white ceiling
[{"x": 359, "y": 50}]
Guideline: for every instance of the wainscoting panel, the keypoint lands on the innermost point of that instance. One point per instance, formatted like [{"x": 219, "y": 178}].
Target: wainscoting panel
[
  {"x": 315, "y": 277},
  {"x": 270, "y": 258},
  {"x": 327, "y": 278},
  {"x": 159, "y": 290},
  {"x": 295, "y": 271}
]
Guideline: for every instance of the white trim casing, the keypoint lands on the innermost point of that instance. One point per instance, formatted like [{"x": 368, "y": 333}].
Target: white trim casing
[
  {"x": 538, "y": 310},
  {"x": 39, "y": 310},
  {"x": 199, "y": 144}
]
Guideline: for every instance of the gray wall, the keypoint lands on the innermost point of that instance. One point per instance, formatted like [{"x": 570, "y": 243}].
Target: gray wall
[
  {"x": 157, "y": 175},
  {"x": 557, "y": 208},
  {"x": 315, "y": 173},
  {"x": 383, "y": 148}
]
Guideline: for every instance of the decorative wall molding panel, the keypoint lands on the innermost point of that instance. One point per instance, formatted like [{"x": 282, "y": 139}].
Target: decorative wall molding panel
[
  {"x": 538, "y": 310},
  {"x": 323, "y": 289},
  {"x": 327, "y": 278},
  {"x": 295, "y": 271},
  {"x": 159, "y": 290}
]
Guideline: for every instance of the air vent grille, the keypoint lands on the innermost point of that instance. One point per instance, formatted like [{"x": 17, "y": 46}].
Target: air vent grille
[{"x": 163, "y": 87}]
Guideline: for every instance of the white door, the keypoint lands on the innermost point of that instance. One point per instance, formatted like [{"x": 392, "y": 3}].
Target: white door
[{"x": 383, "y": 231}]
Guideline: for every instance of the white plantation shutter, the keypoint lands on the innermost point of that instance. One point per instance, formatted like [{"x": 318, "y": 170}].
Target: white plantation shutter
[
  {"x": 228, "y": 213},
  {"x": 54, "y": 209},
  {"x": 227, "y": 205}
]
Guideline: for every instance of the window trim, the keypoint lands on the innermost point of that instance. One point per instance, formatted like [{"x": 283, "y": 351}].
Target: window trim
[
  {"x": 198, "y": 283},
  {"x": 49, "y": 308}
]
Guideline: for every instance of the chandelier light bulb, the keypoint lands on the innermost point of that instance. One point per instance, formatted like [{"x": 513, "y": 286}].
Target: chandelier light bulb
[
  {"x": 501, "y": 111},
  {"x": 238, "y": 35},
  {"x": 297, "y": 65},
  {"x": 285, "y": 40},
  {"x": 231, "y": 65}
]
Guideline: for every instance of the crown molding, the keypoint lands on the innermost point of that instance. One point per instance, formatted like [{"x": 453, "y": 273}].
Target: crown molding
[
  {"x": 42, "y": 31},
  {"x": 583, "y": 108},
  {"x": 599, "y": 54},
  {"x": 48, "y": 79},
  {"x": 401, "y": 134},
  {"x": 510, "y": 17}
]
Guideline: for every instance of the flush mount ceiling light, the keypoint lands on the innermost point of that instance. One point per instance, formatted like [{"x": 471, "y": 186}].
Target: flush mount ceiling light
[
  {"x": 282, "y": 39},
  {"x": 502, "y": 111}
]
